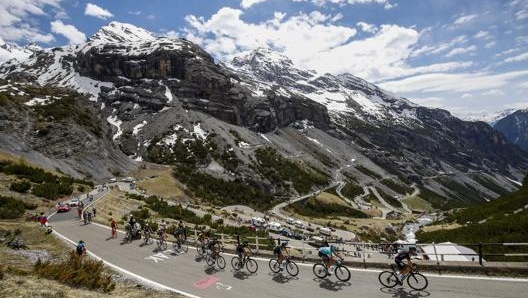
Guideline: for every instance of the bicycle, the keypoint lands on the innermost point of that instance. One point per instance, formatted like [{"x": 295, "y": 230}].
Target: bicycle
[
  {"x": 251, "y": 265},
  {"x": 290, "y": 265},
  {"x": 162, "y": 244},
  {"x": 180, "y": 245},
  {"x": 341, "y": 271},
  {"x": 146, "y": 237},
  {"x": 212, "y": 258},
  {"x": 415, "y": 280}
]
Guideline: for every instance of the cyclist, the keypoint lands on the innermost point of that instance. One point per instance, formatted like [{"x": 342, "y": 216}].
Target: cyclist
[
  {"x": 279, "y": 251},
  {"x": 203, "y": 238},
  {"x": 180, "y": 233},
  {"x": 214, "y": 247},
  {"x": 328, "y": 253},
  {"x": 404, "y": 255},
  {"x": 147, "y": 230},
  {"x": 81, "y": 248},
  {"x": 243, "y": 250},
  {"x": 162, "y": 227}
]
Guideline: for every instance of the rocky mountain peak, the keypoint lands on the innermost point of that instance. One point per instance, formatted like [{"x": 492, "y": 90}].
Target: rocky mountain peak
[
  {"x": 116, "y": 32},
  {"x": 263, "y": 57}
]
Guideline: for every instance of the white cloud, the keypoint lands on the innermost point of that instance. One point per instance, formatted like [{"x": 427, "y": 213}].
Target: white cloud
[
  {"x": 459, "y": 51},
  {"x": 298, "y": 36},
  {"x": 73, "y": 35},
  {"x": 467, "y": 95},
  {"x": 366, "y": 27},
  {"x": 248, "y": 3},
  {"x": 135, "y": 13},
  {"x": 439, "y": 48},
  {"x": 490, "y": 44},
  {"x": 523, "y": 85},
  {"x": 15, "y": 19},
  {"x": 449, "y": 82},
  {"x": 493, "y": 92},
  {"x": 464, "y": 19},
  {"x": 517, "y": 58},
  {"x": 522, "y": 39},
  {"x": 96, "y": 11},
  {"x": 482, "y": 35},
  {"x": 312, "y": 41},
  {"x": 151, "y": 17},
  {"x": 386, "y": 3},
  {"x": 521, "y": 15}
]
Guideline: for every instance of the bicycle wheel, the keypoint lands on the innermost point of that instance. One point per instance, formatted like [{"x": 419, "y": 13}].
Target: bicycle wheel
[
  {"x": 388, "y": 279},
  {"x": 417, "y": 281},
  {"x": 209, "y": 260},
  {"x": 251, "y": 265},
  {"x": 184, "y": 246},
  {"x": 235, "y": 263},
  {"x": 220, "y": 261},
  {"x": 292, "y": 268},
  {"x": 320, "y": 270},
  {"x": 342, "y": 273},
  {"x": 274, "y": 266}
]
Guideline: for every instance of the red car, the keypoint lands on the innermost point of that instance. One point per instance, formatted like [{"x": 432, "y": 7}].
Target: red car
[{"x": 61, "y": 207}]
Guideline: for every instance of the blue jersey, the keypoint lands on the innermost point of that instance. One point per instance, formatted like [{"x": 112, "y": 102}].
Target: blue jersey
[{"x": 325, "y": 250}]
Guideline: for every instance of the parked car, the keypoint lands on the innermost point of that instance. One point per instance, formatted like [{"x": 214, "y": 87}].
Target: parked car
[
  {"x": 298, "y": 224},
  {"x": 286, "y": 233},
  {"x": 310, "y": 229},
  {"x": 290, "y": 220},
  {"x": 74, "y": 202},
  {"x": 252, "y": 227},
  {"x": 62, "y": 207}
]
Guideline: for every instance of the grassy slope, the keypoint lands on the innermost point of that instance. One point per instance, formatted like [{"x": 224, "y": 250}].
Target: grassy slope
[{"x": 501, "y": 224}]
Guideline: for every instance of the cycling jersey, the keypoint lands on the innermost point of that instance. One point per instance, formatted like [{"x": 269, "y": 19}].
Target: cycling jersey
[
  {"x": 403, "y": 255},
  {"x": 325, "y": 252}
]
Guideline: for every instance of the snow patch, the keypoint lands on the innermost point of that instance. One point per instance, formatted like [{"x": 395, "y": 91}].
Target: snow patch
[
  {"x": 117, "y": 123},
  {"x": 265, "y": 138},
  {"x": 38, "y": 101},
  {"x": 138, "y": 127},
  {"x": 168, "y": 94},
  {"x": 199, "y": 132}
]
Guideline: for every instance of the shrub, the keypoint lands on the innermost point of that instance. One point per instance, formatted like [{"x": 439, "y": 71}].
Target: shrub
[
  {"x": 313, "y": 208},
  {"x": 81, "y": 188},
  {"x": 21, "y": 187},
  {"x": 11, "y": 208},
  {"x": 76, "y": 272}
]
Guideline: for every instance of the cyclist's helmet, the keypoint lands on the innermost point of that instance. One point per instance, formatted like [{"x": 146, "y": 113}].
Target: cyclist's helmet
[
  {"x": 284, "y": 243},
  {"x": 333, "y": 248},
  {"x": 80, "y": 241}
]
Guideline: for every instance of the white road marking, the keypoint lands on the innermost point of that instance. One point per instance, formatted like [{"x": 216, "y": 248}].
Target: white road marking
[{"x": 221, "y": 286}]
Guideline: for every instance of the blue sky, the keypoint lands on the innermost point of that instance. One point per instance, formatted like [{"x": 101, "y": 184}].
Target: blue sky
[{"x": 469, "y": 57}]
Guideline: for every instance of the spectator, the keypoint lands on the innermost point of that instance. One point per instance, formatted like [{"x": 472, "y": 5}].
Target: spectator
[
  {"x": 113, "y": 225},
  {"x": 42, "y": 219}
]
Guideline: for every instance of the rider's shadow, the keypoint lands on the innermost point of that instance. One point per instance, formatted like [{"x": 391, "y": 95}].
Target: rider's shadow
[
  {"x": 330, "y": 285},
  {"x": 400, "y": 292},
  {"x": 281, "y": 279},
  {"x": 240, "y": 275},
  {"x": 210, "y": 270}
]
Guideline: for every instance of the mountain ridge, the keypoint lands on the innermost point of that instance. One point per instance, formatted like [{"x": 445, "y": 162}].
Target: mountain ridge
[{"x": 166, "y": 100}]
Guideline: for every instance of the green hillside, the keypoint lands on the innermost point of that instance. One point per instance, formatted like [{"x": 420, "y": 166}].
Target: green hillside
[{"x": 502, "y": 220}]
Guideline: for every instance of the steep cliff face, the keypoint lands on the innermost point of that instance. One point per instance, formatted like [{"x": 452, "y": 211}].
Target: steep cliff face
[
  {"x": 167, "y": 100},
  {"x": 515, "y": 128}
]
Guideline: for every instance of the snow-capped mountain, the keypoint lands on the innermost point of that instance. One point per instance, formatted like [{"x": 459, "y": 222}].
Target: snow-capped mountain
[
  {"x": 491, "y": 118},
  {"x": 13, "y": 51},
  {"x": 161, "y": 99},
  {"x": 515, "y": 127},
  {"x": 342, "y": 95}
]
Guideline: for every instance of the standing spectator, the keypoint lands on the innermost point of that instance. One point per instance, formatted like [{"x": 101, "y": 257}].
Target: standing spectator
[
  {"x": 42, "y": 219},
  {"x": 94, "y": 210},
  {"x": 113, "y": 225}
]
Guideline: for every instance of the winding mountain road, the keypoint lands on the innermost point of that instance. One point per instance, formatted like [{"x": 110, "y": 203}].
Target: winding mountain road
[{"x": 190, "y": 276}]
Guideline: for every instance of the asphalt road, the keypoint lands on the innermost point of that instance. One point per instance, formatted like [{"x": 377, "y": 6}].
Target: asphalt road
[{"x": 187, "y": 273}]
